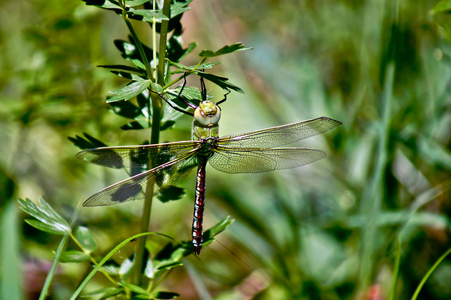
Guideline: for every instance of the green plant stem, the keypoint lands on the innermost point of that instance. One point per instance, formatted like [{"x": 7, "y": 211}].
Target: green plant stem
[
  {"x": 140, "y": 47},
  {"x": 154, "y": 139},
  {"x": 107, "y": 257},
  {"x": 59, "y": 251},
  {"x": 93, "y": 260},
  {"x": 163, "y": 42},
  {"x": 372, "y": 201},
  {"x": 396, "y": 270},
  {"x": 428, "y": 274},
  {"x": 154, "y": 40},
  {"x": 49, "y": 278}
]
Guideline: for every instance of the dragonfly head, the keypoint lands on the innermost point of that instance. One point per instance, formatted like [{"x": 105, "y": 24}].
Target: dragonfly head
[{"x": 207, "y": 114}]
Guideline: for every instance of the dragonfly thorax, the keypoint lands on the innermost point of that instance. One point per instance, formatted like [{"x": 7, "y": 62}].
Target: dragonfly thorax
[{"x": 207, "y": 146}]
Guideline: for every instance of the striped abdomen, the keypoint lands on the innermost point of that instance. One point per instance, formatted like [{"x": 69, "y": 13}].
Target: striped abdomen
[{"x": 199, "y": 207}]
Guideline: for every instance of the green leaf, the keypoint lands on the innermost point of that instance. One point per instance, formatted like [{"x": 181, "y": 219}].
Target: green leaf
[
  {"x": 149, "y": 15},
  {"x": 74, "y": 257},
  {"x": 168, "y": 258},
  {"x": 179, "y": 8},
  {"x": 106, "y": 258},
  {"x": 190, "y": 93},
  {"x": 175, "y": 50},
  {"x": 111, "y": 270},
  {"x": 50, "y": 212},
  {"x": 432, "y": 150},
  {"x": 105, "y": 293},
  {"x": 224, "y": 50},
  {"x": 48, "y": 219},
  {"x": 220, "y": 81},
  {"x": 217, "y": 229},
  {"x": 126, "y": 267},
  {"x": 132, "y": 3},
  {"x": 106, "y": 4},
  {"x": 182, "y": 68},
  {"x": 124, "y": 69},
  {"x": 129, "y": 91},
  {"x": 44, "y": 227},
  {"x": 129, "y": 51},
  {"x": 88, "y": 143},
  {"x": 136, "y": 289},
  {"x": 156, "y": 87},
  {"x": 442, "y": 6},
  {"x": 166, "y": 295},
  {"x": 85, "y": 239}
]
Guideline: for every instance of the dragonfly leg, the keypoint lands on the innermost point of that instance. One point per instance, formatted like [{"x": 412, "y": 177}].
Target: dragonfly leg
[
  {"x": 225, "y": 97},
  {"x": 173, "y": 106},
  {"x": 179, "y": 96},
  {"x": 203, "y": 89}
]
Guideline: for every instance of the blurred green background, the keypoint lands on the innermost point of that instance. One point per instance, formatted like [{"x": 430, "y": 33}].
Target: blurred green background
[{"x": 324, "y": 231}]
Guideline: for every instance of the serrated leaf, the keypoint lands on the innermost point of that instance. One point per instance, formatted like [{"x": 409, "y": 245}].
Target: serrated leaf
[
  {"x": 74, "y": 257},
  {"x": 224, "y": 50},
  {"x": 50, "y": 212},
  {"x": 129, "y": 91},
  {"x": 166, "y": 295},
  {"x": 88, "y": 143},
  {"x": 179, "y": 7},
  {"x": 48, "y": 219},
  {"x": 220, "y": 81},
  {"x": 149, "y": 15},
  {"x": 175, "y": 51},
  {"x": 190, "y": 93},
  {"x": 85, "y": 239},
  {"x": 170, "y": 193}
]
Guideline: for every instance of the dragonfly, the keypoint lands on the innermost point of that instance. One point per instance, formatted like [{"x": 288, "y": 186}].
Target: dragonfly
[{"x": 161, "y": 166}]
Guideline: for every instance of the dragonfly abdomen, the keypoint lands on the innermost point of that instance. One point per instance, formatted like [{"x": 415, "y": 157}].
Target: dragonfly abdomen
[{"x": 197, "y": 231}]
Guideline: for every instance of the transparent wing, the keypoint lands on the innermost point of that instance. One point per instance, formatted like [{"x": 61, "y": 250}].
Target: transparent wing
[
  {"x": 279, "y": 135},
  {"x": 250, "y": 160},
  {"x": 137, "y": 157},
  {"x": 135, "y": 187}
]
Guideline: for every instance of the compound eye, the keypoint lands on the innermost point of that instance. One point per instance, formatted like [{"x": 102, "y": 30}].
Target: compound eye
[{"x": 207, "y": 114}]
